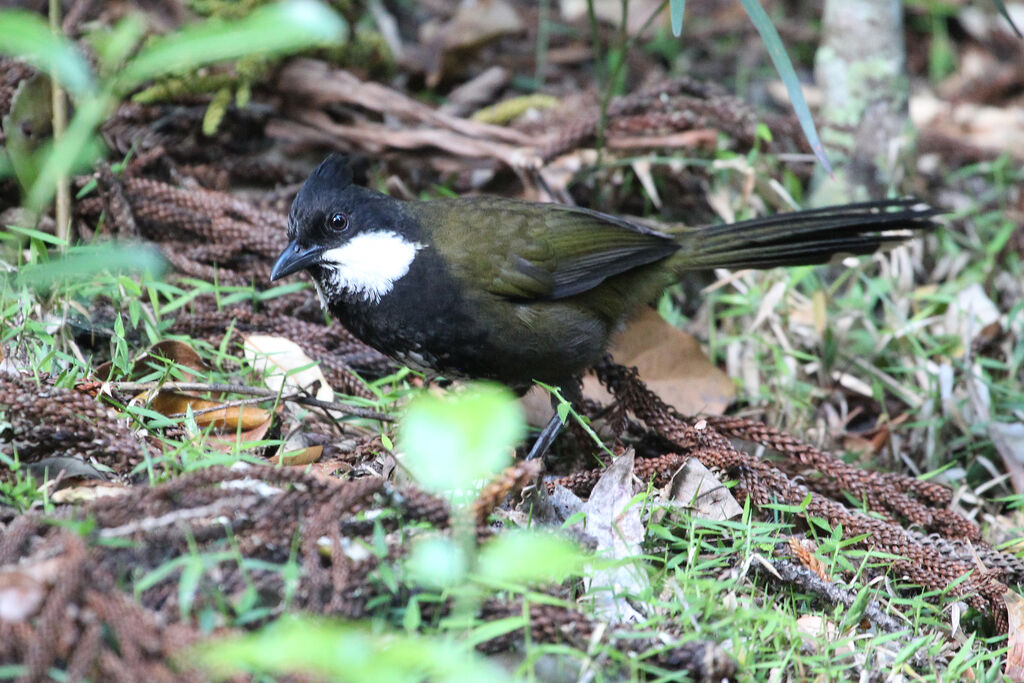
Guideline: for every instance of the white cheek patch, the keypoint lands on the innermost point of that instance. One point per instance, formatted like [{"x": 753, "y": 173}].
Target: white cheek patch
[{"x": 368, "y": 265}]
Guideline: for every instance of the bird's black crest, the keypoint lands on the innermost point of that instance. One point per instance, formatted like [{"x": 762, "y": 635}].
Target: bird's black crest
[
  {"x": 341, "y": 170},
  {"x": 335, "y": 170}
]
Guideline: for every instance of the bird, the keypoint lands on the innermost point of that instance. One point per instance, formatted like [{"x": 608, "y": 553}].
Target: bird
[{"x": 519, "y": 292}]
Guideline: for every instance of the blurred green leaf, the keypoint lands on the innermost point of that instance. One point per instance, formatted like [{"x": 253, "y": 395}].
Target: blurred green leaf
[
  {"x": 451, "y": 443},
  {"x": 344, "y": 652},
  {"x": 81, "y": 263},
  {"x": 777, "y": 51},
  {"x": 78, "y": 148},
  {"x": 113, "y": 45},
  {"x": 677, "y": 8},
  {"x": 527, "y": 557},
  {"x": 436, "y": 562},
  {"x": 281, "y": 27},
  {"x": 33, "y": 233},
  {"x": 27, "y": 36},
  {"x": 28, "y": 125}
]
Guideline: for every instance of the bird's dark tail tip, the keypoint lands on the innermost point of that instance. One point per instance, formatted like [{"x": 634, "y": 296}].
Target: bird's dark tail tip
[{"x": 808, "y": 237}]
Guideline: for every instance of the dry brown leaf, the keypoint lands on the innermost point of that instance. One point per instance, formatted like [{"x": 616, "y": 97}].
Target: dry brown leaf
[
  {"x": 614, "y": 521},
  {"x": 23, "y": 590},
  {"x": 322, "y": 84},
  {"x": 994, "y": 129},
  {"x": 282, "y": 361},
  {"x": 672, "y": 365},
  {"x": 694, "y": 486},
  {"x": 814, "y": 629},
  {"x": 476, "y": 23},
  {"x": 183, "y": 355},
  {"x": 1015, "y": 654},
  {"x": 610, "y": 12},
  {"x": 71, "y": 466},
  {"x": 223, "y": 419},
  {"x": 1008, "y": 438},
  {"x": 306, "y": 456},
  {"x": 808, "y": 559},
  {"x": 87, "y": 492},
  {"x": 225, "y": 441}
]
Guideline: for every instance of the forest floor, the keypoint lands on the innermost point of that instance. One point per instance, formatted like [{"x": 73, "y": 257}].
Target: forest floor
[{"x": 817, "y": 472}]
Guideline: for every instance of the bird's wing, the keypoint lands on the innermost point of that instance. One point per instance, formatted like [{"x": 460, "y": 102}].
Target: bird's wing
[{"x": 548, "y": 251}]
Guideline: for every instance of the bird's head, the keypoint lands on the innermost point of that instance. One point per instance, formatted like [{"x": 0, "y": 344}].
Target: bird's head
[{"x": 352, "y": 240}]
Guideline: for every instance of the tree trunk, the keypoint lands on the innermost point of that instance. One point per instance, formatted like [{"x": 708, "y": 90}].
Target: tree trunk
[{"x": 861, "y": 69}]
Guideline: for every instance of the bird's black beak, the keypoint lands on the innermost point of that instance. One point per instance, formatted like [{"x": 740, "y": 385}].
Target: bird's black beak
[{"x": 293, "y": 259}]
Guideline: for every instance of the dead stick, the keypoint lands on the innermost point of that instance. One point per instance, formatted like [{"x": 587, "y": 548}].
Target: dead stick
[{"x": 266, "y": 394}]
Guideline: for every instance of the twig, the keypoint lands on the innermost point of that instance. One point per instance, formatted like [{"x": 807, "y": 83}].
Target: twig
[
  {"x": 266, "y": 394},
  {"x": 62, "y": 207},
  {"x": 234, "y": 404}
]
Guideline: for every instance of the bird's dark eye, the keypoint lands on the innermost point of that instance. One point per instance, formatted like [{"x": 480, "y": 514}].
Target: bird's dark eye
[{"x": 338, "y": 222}]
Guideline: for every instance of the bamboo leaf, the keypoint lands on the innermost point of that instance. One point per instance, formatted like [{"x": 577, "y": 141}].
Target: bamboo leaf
[
  {"x": 282, "y": 27},
  {"x": 777, "y": 51},
  {"x": 25, "y": 35},
  {"x": 676, "y": 9},
  {"x": 1006, "y": 15}
]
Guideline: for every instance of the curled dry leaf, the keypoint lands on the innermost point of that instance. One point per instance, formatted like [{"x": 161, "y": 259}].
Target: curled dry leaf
[
  {"x": 305, "y": 456},
  {"x": 610, "y": 12},
  {"x": 296, "y": 450},
  {"x": 22, "y": 590},
  {"x": 72, "y": 467},
  {"x": 475, "y": 23},
  {"x": 226, "y": 440},
  {"x": 1008, "y": 438},
  {"x": 808, "y": 559},
  {"x": 180, "y": 353},
  {"x": 223, "y": 419},
  {"x": 88, "y": 492},
  {"x": 695, "y": 486},
  {"x": 615, "y": 523},
  {"x": 672, "y": 364},
  {"x": 282, "y": 362}
]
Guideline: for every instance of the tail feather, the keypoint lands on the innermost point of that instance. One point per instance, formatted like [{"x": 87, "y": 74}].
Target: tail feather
[{"x": 805, "y": 237}]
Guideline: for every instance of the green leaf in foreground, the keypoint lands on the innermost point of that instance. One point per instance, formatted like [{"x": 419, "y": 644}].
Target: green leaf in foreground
[
  {"x": 344, "y": 652},
  {"x": 27, "y": 126},
  {"x": 437, "y": 562},
  {"x": 451, "y": 443},
  {"x": 81, "y": 263},
  {"x": 777, "y": 51},
  {"x": 527, "y": 557},
  {"x": 25, "y": 35},
  {"x": 281, "y": 27}
]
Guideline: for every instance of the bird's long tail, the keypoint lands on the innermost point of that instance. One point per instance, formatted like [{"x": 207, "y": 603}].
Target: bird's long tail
[{"x": 804, "y": 237}]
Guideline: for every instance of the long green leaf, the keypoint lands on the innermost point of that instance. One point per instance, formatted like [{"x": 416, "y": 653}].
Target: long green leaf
[
  {"x": 281, "y": 27},
  {"x": 1009, "y": 19},
  {"x": 25, "y": 35},
  {"x": 777, "y": 51},
  {"x": 72, "y": 151},
  {"x": 676, "y": 9},
  {"x": 82, "y": 263}
]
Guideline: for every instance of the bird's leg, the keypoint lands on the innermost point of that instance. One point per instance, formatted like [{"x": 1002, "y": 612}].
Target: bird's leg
[
  {"x": 572, "y": 392},
  {"x": 547, "y": 437}
]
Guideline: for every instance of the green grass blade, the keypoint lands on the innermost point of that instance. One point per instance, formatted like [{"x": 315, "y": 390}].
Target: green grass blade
[
  {"x": 676, "y": 9},
  {"x": 278, "y": 28},
  {"x": 84, "y": 262},
  {"x": 26, "y": 35},
  {"x": 1009, "y": 19},
  {"x": 777, "y": 51}
]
